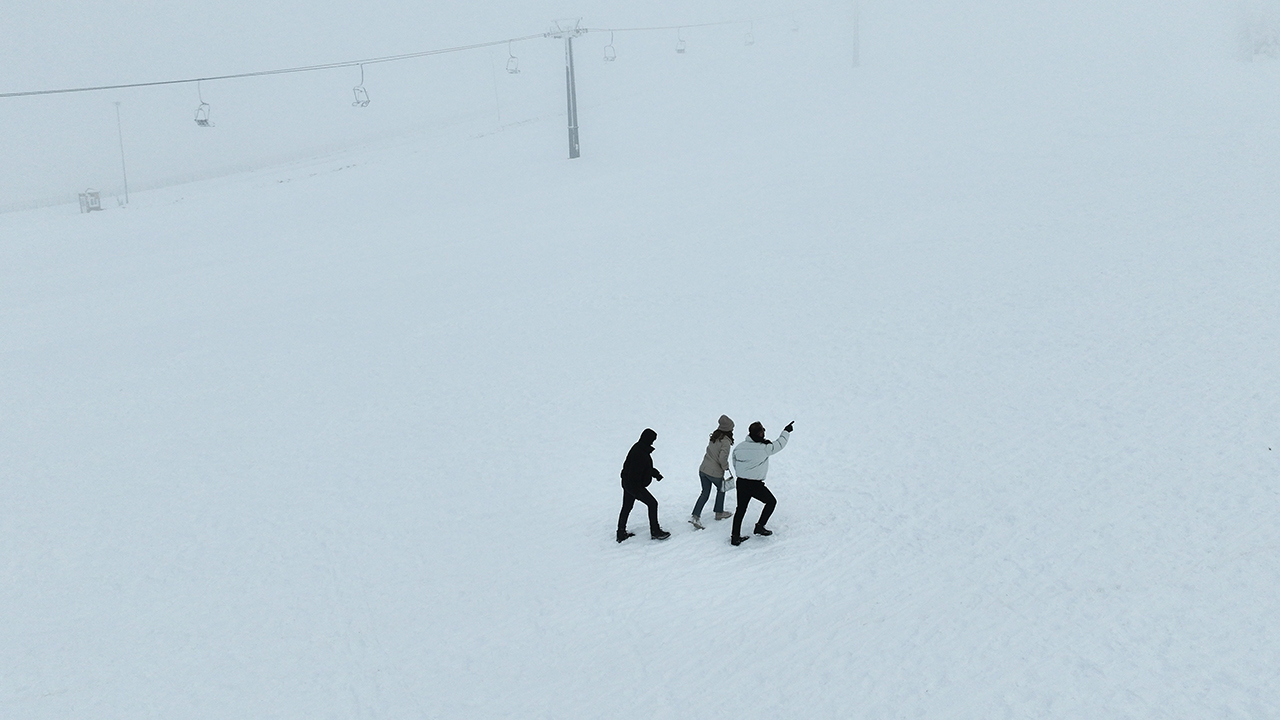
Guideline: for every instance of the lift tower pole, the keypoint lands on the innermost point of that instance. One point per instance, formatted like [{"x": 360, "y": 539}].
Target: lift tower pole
[
  {"x": 123, "y": 171},
  {"x": 569, "y": 29},
  {"x": 857, "y": 33}
]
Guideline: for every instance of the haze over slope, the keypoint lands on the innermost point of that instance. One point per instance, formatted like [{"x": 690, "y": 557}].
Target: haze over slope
[{"x": 58, "y": 145}]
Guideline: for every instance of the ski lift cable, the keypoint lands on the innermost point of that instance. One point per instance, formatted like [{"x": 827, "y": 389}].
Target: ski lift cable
[
  {"x": 282, "y": 71},
  {"x": 686, "y": 26},
  {"x": 664, "y": 27},
  {"x": 354, "y": 63}
]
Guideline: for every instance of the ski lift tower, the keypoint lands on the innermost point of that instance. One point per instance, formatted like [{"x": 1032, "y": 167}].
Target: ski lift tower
[{"x": 569, "y": 29}]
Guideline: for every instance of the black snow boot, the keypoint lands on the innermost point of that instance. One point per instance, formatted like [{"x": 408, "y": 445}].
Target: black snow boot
[
  {"x": 738, "y": 540},
  {"x": 623, "y": 535},
  {"x": 660, "y": 534},
  {"x": 762, "y": 530}
]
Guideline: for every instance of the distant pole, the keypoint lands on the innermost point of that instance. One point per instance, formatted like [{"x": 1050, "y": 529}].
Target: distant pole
[
  {"x": 123, "y": 171},
  {"x": 857, "y": 39},
  {"x": 571, "y": 92}
]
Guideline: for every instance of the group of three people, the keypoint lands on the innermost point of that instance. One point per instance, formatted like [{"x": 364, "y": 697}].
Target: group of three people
[{"x": 750, "y": 462}]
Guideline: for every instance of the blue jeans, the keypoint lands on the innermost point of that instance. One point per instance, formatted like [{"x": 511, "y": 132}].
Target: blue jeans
[{"x": 707, "y": 482}]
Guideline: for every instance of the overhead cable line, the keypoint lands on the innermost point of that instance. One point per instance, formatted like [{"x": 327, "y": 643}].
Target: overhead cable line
[
  {"x": 282, "y": 71},
  {"x": 687, "y": 26},
  {"x": 666, "y": 27},
  {"x": 351, "y": 63},
  {"x": 560, "y": 29}
]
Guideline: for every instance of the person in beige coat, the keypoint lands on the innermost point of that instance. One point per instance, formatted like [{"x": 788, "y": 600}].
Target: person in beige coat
[{"x": 715, "y": 464}]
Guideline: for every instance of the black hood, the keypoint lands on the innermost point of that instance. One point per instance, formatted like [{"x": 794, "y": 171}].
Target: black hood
[{"x": 648, "y": 436}]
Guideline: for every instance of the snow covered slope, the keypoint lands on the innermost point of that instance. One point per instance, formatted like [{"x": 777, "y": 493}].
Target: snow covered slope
[{"x": 341, "y": 438}]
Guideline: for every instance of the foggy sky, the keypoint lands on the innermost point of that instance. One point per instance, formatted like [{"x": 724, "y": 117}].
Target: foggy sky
[{"x": 55, "y": 146}]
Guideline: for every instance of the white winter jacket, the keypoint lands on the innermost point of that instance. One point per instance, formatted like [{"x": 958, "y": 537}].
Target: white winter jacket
[{"x": 751, "y": 459}]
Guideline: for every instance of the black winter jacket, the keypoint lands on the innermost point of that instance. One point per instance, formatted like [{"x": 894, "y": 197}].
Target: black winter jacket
[{"x": 638, "y": 470}]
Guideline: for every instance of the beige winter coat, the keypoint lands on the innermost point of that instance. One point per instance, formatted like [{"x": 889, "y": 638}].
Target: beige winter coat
[{"x": 716, "y": 461}]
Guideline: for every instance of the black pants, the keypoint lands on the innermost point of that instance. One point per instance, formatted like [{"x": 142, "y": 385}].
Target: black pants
[
  {"x": 748, "y": 489},
  {"x": 629, "y": 496}
]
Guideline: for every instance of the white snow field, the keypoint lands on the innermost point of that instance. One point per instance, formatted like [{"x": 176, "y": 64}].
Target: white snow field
[{"x": 341, "y": 438}]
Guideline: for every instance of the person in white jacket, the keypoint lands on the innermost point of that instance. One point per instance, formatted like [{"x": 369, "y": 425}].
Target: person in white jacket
[{"x": 751, "y": 462}]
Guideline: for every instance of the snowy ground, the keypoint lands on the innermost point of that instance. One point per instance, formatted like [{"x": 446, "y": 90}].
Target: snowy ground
[{"x": 341, "y": 438}]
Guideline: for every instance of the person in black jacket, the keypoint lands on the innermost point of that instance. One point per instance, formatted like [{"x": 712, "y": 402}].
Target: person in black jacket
[{"x": 637, "y": 473}]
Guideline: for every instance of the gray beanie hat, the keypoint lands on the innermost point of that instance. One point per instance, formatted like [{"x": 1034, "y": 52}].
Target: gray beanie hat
[{"x": 726, "y": 424}]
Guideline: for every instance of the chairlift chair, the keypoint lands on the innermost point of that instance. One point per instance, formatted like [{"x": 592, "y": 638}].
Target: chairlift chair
[
  {"x": 513, "y": 64},
  {"x": 202, "y": 112},
  {"x": 750, "y": 39},
  {"x": 202, "y": 115},
  {"x": 361, "y": 95},
  {"x": 609, "y": 53}
]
